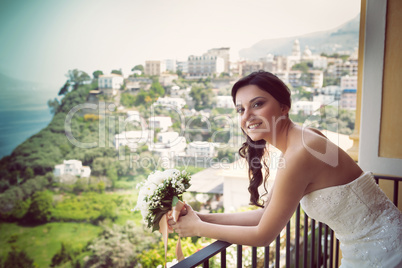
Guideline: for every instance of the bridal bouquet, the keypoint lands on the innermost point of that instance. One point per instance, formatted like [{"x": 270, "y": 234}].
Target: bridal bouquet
[
  {"x": 161, "y": 192},
  {"x": 161, "y": 195}
]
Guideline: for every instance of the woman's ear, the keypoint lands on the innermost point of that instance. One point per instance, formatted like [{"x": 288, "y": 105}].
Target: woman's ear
[{"x": 285, "y": 109}]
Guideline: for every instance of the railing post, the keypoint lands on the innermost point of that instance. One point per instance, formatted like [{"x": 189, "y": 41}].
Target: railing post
[
  {"x": 337, "y": 254},
  {"x": 277, "y": 251},
  {"x": 305, "y": 241},
  {"x": 297, "y": 238},
  {"x": 266, "y": 257},
  {"x": 288, "y": 244},
  {"x": 253, "y": 257},
  {"x": 312, "y": 253},
  {"x": 319, "y": 244},
  {"x": 326, "y": 246},
  {"x": 239, "y": 256},
  {"x": 223, "y": 258}
]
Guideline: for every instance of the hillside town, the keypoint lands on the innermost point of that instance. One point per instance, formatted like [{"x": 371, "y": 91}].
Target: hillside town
[{"x": 316, "y": 82}]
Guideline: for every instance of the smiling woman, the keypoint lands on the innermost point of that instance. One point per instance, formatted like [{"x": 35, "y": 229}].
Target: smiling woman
[{"x": 319, "y": 175}]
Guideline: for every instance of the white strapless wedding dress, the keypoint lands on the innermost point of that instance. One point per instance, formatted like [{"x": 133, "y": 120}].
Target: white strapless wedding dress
[{"x": 367, "y": 224}]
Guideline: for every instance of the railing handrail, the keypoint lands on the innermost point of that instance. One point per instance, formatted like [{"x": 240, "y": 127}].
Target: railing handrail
[
  {"x": 385, "y": 177},
  {"x": 203, "y": 255}
]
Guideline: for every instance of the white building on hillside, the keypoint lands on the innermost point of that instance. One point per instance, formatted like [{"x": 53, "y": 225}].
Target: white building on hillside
[
  {"x": 177, "y": 92},
  {"x": 132, "y": 139},
  {"x": 306, "y": 107},
  {"x": 201, "y": 149},
  {"x": 320, "y": 62},
  {"x": 167, "y": 79},
  {"x": 324, "y": 99},
  {"x": 72, "y": 167},
  {"x": 175, "y": 103},
  {"x": 224, "y": 102},
  {"x": 161, "y": 122},
  {"x": 167, "y": 137},
  {"x": 168, "y": 146},
  {"x": 110, "y": 84}
]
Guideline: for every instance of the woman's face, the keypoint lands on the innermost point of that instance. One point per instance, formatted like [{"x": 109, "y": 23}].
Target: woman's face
[{"x": 260, "y": 113}]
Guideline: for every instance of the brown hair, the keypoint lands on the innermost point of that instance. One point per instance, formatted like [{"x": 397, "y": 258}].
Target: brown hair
[{"x": 253, "y": 151}]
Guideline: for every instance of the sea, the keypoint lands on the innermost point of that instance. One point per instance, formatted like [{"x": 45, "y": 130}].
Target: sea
[{"x": 23, "y": 113}]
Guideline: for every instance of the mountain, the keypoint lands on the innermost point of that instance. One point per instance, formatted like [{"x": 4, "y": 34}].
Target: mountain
[{"x": 341, "y": 39}]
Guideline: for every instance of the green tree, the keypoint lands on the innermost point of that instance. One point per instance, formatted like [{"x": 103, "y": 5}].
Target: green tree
[
  {"x": 127, "y": 100},
  {"x": 303, "y": 66},
  {"x": 108, "y": 211},
  {"x": 20, "y": 209},
  {"x": 97, "y": 73},
  {"x": 77, "y": 77},
  {"x": 40, "y": 210},
  {"x": 138, "y": 68},
  {"x": 117, "y": 72},
  {"x": 157, "y": 88},
  {"x": 53, "y": 105},
  {"x": 18, "y": 259},
  {"x": 28, "y": 173},
  {"x": 64, "y": 255},
  {"x": 202, "y": 97},
  {"x": 64, "y": 89},
  {"x": 111, "y": 173},
  {"x": 120, "y": 246}
]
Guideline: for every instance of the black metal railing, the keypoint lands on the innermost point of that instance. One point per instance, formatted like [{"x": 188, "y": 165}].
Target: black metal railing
[{"x": 305, "y": 243}]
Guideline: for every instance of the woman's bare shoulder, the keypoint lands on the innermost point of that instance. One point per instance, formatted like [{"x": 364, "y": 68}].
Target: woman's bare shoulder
[{"x": 310, "y": 152}]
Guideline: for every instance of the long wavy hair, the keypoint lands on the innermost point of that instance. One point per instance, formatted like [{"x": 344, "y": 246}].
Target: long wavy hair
[{"x": 254, "y": 151}]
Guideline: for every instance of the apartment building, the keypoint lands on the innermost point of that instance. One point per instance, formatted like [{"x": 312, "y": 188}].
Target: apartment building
[
  {"x": 205, "y": 66},
  {"x": 154, "y": 67},
  {"x": 316, "y": 78},
  {"x": 347, "y": 67},
  {"x": 348, "y": 82},
  {"x": 223, "y": 53},
  {"x": 348, "y": 99}
]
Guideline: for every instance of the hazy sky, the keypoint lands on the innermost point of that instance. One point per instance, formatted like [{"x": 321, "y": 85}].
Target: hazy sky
[{"x": 42, "y": 39}]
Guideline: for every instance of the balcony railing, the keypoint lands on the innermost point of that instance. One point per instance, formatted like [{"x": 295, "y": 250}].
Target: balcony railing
[{"x": 305, "y": 243}]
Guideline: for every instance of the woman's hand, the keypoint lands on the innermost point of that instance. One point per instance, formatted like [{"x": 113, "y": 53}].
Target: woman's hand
[{"x": 186, "y": 226}]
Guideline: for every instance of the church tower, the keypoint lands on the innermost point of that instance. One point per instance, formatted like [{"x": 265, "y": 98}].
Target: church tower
[{"x": 296, "y": 49}]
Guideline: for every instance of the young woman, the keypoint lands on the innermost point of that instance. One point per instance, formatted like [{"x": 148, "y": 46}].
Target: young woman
[{"x": 330, "y": 186}]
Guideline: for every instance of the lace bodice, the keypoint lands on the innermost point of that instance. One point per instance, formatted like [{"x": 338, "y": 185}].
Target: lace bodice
[{"x": 366, "y": 222}]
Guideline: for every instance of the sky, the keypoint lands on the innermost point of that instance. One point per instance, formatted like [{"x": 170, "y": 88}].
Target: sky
[{"x": 41, "y": 40}]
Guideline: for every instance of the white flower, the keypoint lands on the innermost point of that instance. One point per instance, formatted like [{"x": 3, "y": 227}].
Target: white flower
[
  {"x": 156, "y": 178},
  {"x": 148, "y": 189},
  {"x": 171, "y": 173}
]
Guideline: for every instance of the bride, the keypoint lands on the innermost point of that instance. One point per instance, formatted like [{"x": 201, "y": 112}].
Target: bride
[{"x": 328, "y": 184}]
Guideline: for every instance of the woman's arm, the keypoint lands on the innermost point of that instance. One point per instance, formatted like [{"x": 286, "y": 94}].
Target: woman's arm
[
  {"x": 247, "y": 218},
  {"x": 289, "y": 188}
]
